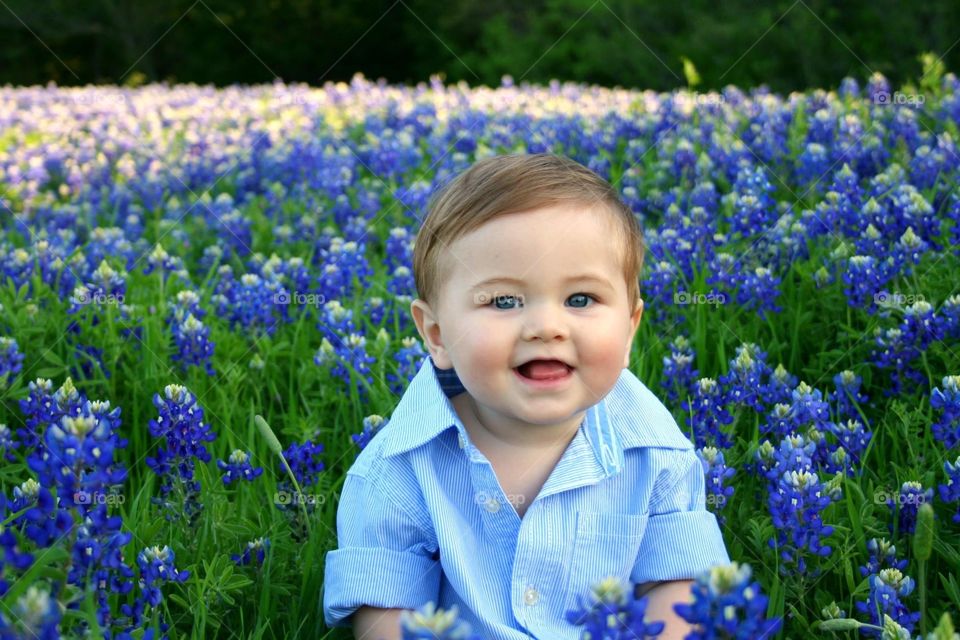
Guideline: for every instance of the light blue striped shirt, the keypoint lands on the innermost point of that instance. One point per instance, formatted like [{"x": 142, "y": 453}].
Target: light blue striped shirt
[{"x": 423, "y": 518}]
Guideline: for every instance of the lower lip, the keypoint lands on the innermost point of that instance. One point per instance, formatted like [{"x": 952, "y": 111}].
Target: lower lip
[{"x": 552, "y": 383}]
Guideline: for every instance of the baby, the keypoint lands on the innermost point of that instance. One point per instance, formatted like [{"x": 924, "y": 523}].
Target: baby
[{"x": 524, "y": 462}]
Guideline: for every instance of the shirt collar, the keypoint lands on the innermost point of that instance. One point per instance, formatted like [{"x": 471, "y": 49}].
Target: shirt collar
[{"x": 629, "y": 416}]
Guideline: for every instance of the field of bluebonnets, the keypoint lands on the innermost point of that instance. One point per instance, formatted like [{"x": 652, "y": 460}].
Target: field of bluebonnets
[{"x": 176, "y": 260}]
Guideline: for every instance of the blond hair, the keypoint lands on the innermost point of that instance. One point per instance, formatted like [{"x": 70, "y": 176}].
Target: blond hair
[{"x": 501, "y": 185}]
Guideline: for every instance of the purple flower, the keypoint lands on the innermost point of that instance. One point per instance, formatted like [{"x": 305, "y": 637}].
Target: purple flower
[
  {"x": 238, "y": 468},
  {"x": 716, "y": 473},
  {"x": 726, "y": 605},
  {"x": 708, "y": 406},
  {"x": 947, "y": 402},
  {"x": 796, "y": 506},
  {"x": 613, "y": 612},
  {"x": 887, "y": 587},
  {"x": 847, "y": 394},
  {"x": 194, "y": 348},
  {"x": 950, "y": 492},
  {"x": 430, "y": 623},
  {"x": 253, "y": 553},
  {"x": 679, "y": 376},
  {"x": 11, "y": 361},
  {"x": 908, "y": 502},
  {"x": 371, "y": 426}
]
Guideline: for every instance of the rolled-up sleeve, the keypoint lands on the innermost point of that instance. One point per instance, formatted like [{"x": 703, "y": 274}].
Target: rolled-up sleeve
[
  {"x": 386, "y": 557},
  {"x": 682, "y": 538}
]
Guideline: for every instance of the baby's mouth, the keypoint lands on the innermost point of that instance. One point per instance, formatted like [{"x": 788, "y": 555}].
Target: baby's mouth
[{"x": 544, "y": 369}]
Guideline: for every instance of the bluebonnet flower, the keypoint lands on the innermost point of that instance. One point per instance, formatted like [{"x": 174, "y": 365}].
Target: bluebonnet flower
[
  {"x": 808, "y": 406},
  {"x": 194, "y": 348},
  {"x": 796, "y": 505},
  {"x": 659, "y": 281},
  {"x": 8, "y": 443},
  {"x": 371, "y": 426},
  {"x": 679, "y": 376},
  {"x": 887, "y": 587},
  {"x": 709, "y": 414},
  {"x": 812, "y": 163},
  {"x": 780, "y": 421},
  {"x": 180, "y": 423},
  {"x": 399, "y": 248},
  {"x": 871, "y": 241},
  {"x": 344, "y": 267},
  {"x": 253, "y": 303},
  {"x": 335, "y": 321},
  {"x": 908, "y": 501},
  {"x": 167, "y": 265},
  {"x": 106, "y": 286},
  {"x": 864, "y": 278},
  {"x": 374, "y": 310},
  {"x": 947, "y": 402},
  {"x": 950, "y": 492},
  {"x": 726, "y": 605},
  {"x": 408, "y": 358},
  {"x": 781, "y": 385},
  {"x": 238, "y": 467},
  {"x": 613, "y": 612},
  {"x": 909, "y": 249},
  {"x": 745, "y": 383},
  {"x": 254, "y": 553},
  {"x": 716, "y": 473},
  {"x": 11, "y": 361},
  {"x": 853, "y": 438},
  {"x": 947, "y": 319},
  {"x": 847, "y": 393},
  {"x": 156, "y": 567},
  {"x": 36, "y": 615},
  {"x": 883, "y": 555},
  {"x": 347, "y": 359},
  {"x": 305, "y": 463},
  {"x": 184, "y": 304},
  {"x": 430, "y": 623},
  {"x": 401, "y": 282},
  {"x": 896, "y": 350}
]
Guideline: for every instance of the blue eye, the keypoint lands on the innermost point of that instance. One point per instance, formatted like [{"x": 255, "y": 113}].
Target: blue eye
[
  {"x": 586, "y": 297},
  {"x": 505, "y": 302}
]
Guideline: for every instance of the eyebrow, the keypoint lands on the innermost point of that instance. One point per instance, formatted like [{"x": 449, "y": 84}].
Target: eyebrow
[{"x": 586, "y": 277}]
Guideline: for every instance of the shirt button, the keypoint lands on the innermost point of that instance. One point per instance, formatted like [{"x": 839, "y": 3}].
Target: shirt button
[
  {"x": 491, "y": 505},
  {"x": 530, "y": 596}
]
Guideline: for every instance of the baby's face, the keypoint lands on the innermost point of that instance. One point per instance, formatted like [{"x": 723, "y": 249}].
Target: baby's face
[{"x": 540, "y": 285}]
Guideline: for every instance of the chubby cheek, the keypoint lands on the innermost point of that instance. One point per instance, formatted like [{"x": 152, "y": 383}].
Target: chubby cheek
[
  {"x": 604, "y": 356},
  {"x": 482, "y": 353}
]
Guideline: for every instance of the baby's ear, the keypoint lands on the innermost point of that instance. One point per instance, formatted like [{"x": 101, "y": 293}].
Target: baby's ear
[
  {"x": 429, "y": 329},
  {"x": 634, "y": 324}
]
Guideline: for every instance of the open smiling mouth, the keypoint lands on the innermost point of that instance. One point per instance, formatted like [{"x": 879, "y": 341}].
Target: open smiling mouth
[{"x": 543, "y": 372}]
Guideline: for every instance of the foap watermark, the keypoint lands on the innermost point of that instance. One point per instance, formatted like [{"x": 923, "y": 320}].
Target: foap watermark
[
  {"x": 898, "y": 98},
  {"x": 488, "y": 500},
  {"x": 96, "y": 498},
  {"x": 694, "y": 297},
  {"x": 84, "y": 296},
  {"x": 717, "y": 500},
  {"x": 887, "y": 299},
  {"x": 298, "y": 298},
  {"x": 291, "y": 498},
  {"x": 497, "y": 297},
  {"x": 887, "y": 496}
]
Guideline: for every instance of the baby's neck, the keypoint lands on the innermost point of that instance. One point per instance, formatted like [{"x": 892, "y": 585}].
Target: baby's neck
[{"x": 513, "y": 439}]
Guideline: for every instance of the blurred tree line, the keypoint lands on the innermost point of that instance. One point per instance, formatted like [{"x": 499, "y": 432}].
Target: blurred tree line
[{"x": 785, "y": 44}]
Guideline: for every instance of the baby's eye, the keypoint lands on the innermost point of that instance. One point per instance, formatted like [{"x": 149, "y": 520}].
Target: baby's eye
[
  {"x": 579, "y": 298},
  {"x": 506, "y": 302}
]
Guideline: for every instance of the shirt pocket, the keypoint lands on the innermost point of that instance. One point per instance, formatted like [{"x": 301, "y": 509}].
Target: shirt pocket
[{"x": 606, "y": 544}]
